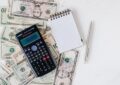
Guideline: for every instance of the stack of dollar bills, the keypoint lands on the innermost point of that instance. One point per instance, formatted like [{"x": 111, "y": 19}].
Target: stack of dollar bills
[{"x": 14, "y": 69}]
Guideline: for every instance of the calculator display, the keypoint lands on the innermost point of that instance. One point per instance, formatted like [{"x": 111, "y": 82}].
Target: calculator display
[{"x": 29, "y": 39}]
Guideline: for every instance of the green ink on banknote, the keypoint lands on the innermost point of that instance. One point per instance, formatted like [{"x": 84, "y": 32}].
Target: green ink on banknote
[
  {"x": 22, "y": 8},
  {"x": 12, "y": 50},
  {"x": 67, "y": 60}
]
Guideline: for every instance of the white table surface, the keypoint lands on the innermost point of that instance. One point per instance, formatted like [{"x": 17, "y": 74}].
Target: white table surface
[{"x": 103, "y": 67}]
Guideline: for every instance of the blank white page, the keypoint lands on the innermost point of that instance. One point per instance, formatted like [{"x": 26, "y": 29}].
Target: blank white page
[{"x": 65, "y": 32}]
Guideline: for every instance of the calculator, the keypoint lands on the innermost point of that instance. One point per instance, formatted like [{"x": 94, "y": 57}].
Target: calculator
[{"x": 37, "y": 53}]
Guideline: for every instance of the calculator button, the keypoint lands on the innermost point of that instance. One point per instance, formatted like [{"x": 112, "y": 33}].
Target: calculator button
[
  {"x": 37, "y": 51},
  {"x": 45, "y": 69},
  {"x": 30, "y": 52},
  {"x": 42, "y": 46},
  {"x": 44, "y": 59},
  {"x": 25, "y": 50},
  {"x": 47, "y": 57},
  {"x": 28, "y": 49},
  {"x": 34, "y": 48},
  {"x": 40, "y": 42}
]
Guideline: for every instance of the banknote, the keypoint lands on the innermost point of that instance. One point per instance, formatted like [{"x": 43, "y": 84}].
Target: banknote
[
  {"x": 9, "y": 32},
  {"x": 3, "y": 81},
  {"x": 7, "y": 49},
  {"x": 18, "y": 56},
  {"x": 13, "y": 80},
  {"x": 37, "y": 10},
  {"x": 49, "y": 39},
  {"x": 3, "y": 75},
  {"x": 22, "y": 71},
  {"x": 3, "y": 72},
  {"x": 66, "y": 68},
  {"x": 7, "y": 18},
  {"x": 40, "y": 1},
  {"x": 19, "y": 72},
  {"x": 47, "y": 79}
]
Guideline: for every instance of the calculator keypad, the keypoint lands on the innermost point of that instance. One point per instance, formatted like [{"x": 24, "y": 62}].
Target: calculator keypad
[{"x": 40, "y": 58}]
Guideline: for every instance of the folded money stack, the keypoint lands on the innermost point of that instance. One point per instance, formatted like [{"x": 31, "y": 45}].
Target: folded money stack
[{"x": 14, "y": 69}]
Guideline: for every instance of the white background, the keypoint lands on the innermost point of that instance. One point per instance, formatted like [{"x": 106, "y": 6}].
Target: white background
[{"x": 103, "y": 67}]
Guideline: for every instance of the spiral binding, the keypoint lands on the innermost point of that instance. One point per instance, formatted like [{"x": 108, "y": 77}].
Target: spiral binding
[{"x": 60, "y": 14}]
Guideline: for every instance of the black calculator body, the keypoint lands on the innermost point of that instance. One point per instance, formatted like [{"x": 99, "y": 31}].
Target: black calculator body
[{"x": 36, "y": 50}]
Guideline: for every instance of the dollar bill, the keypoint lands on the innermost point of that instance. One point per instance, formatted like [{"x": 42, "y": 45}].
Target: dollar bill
[
  {"x": 17, "y": 65},
  {"x": 18, "y": 56},
  {"x": 5, "y": 68},
  {"x": 51, "y": 44},
  {"x": 9, "y": 32},
  {"x": 7, "y": 49},
  {"x": 7, "y": 18},
  {"x": 66, "y": 68},
  {"x": 13, "y": 80},
  {"x": 3, "y": 81},
  {"x": 3, "y": 72},
  {"x": 47, "y": 79},
  {"x": 38, "y": 10},
  {"x": 3, "y": 75},
  {"x": 22, "y": 71}
]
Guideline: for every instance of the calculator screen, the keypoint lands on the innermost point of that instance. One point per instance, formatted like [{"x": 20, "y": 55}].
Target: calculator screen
[{"x": 29, "y": 39}]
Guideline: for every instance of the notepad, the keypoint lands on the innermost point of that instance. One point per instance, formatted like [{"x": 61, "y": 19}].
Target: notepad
[{"x": 64, "y": 31}]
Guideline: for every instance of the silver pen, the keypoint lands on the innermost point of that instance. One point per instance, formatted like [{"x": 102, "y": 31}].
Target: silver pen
[{"x": 87, "y": 42}]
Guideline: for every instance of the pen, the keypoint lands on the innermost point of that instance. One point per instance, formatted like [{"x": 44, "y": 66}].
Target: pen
[{"x": 87, "y": 42}]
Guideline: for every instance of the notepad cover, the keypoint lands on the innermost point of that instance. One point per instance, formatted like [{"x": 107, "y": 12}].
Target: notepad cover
[{"x": 65, "y": 31}]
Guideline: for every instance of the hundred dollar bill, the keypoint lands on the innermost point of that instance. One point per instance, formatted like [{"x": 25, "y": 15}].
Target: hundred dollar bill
[
  {"x": 8, "y": 19},
  {"x": 66, "y": 68},
  {"x": 38, "y": 10}
]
